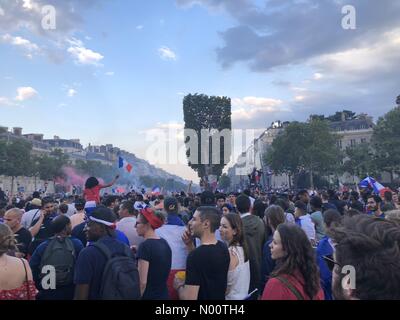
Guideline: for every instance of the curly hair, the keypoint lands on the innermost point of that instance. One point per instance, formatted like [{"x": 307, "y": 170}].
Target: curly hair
[
  {"x": 300, "y": 258},
  {"x": 7, "y": 239},
  {"x": 91, "y": 183},
  {"x": 372, "y": 246}
]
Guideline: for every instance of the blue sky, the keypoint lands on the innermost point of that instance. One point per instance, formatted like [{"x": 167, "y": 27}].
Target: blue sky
[{"x": 112, "y": 71}]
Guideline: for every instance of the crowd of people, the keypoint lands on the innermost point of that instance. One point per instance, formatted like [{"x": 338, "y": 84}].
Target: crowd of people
[{"x": 205, "y": 246}]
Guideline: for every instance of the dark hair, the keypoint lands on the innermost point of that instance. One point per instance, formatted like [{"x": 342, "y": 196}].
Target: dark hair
[
  {"x": 211, "y": 214},
  {"x": 91, "y": 183},
  {"x": 36, "y": 194},
  {"x": 243, "y": 203},
  {"x": 59, "y": 224},
  {"x": 239, "y": 238},
  {"x": 355, "y": 195},
  {"x": 275, "y": 216},
  {"x": 220, "y": 196},
  {"x": 302, "y": 193},
  {"x": 372, "y": 246},
  {"x": 80, "y": 204},
  {"x": 352, "y": 212},
  {"x": 128, "y": 205},
  {"x": 259, "y": 208},
  {"x": 388, "y": 196},
  {"x": 316, "y": 202},
  {"x": 376, "y": 198},
  {"x": 332, "y": 218},
  {"x": 47, "y": 200},
  {"x": 283, "y": 203},
  {"x": 300, "y": 258},
  {"x": 109, "y": 200},
  {"x": 207, "y": 198},
  {"x": 63, "y": 208}
]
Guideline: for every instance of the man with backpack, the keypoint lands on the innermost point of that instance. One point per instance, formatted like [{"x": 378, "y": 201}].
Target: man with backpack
[
  {"x": 106, "y": 268},
  {"x": 59, "y": 254}
]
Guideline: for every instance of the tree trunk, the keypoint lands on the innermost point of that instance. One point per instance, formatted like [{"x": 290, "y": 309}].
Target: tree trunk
[
  {"x": 311, "y": 180},
  {"x": 290, "y": 181},
  {"x": 12, "y": 188}
]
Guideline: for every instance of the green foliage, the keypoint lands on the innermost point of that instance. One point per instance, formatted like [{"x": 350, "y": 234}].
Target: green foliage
[
  {"x": 386, "y": 141},
  {"x": 307, "y": 147},
  {"x": 360, "y": 161},
  {"x": 15, "y": 158},
  {"x": 204, "y": 112},
  {"x": 168, "y": 184}
]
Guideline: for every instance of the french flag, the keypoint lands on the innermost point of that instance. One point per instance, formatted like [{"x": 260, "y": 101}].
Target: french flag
[
  {"x": 122, "y": 163},
  {"x": 156, "y": 190},
  {"x": 371, "y": 182}
]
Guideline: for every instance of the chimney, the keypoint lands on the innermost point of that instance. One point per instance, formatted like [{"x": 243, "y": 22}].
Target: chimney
[
  {"x": 17, "y": 131},
  {"x": 56, "y": 138}
]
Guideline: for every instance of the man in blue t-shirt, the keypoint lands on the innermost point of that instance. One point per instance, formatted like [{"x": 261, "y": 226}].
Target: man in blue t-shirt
[
  {"x": 91, "y": 261},
  {"x": 61, "y": 226}
]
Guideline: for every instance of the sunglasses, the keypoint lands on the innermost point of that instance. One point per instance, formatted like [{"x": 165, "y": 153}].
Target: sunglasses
[{"x": 330, "y": 262}]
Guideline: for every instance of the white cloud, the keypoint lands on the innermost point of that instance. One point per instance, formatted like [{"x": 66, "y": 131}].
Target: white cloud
[
  {"x": 249, "y": 108},
  {"x": 5, "y": 102},
  {"x": 72, "y": 93},
  {"x": 62, "y": 105},
  {"x": 317, "y": 76},
  {"x": 83, "y": 55},
  {"x": 110, "y": 73},
  {"x": 21, "y": 43},
  {"x": 166, "y": 53},
  {"x": 1, "y": 11},
  {"x": 25, "y": 93},
  {"x": 30, "y": 5},
  {"x": 139, "y": 27},
  {"x": 299, "y": 98}
]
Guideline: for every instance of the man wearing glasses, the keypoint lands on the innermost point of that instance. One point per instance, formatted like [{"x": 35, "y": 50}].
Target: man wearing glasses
[{"x": 366, "y": 261}]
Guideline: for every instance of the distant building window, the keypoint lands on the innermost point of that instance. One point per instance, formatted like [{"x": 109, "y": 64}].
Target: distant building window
[
  {"x": 339, "y": 144},
  {"x": 363, "y": 140},
  {"x": 353, "y": 142}
]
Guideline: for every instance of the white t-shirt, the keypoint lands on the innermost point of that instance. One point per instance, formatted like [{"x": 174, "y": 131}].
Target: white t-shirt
[
  {"x": 173, "y": 235},
  {"x": 128, "y": 227},
  {"x": 308, "y": 226},
  {"x": 28, "y": 216}
]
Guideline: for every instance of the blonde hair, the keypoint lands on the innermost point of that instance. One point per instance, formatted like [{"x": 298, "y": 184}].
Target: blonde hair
[
  {"x": 7, "y": 239},
  {"x": 393, "y": 215}
]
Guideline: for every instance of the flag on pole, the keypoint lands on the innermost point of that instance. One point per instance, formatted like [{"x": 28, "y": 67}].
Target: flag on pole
[
  {"x": 122, "y": 163},
  {"x": 371, "y": 182},
  {"x": 156, "y": 190}
]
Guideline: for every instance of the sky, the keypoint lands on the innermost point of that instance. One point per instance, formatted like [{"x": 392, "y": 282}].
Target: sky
[{"x": 117, "y": 71}]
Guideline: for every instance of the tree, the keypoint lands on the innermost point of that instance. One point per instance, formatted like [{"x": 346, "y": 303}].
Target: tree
[
  {"x": 386, "y": 142},
  {"x": 204, "y": 112},
  {"x": 360, "y": 161},
  {"x": 307, "y": 147},
  {"x": 348, "y": 115},
  {"x": 18, "y": 161}
]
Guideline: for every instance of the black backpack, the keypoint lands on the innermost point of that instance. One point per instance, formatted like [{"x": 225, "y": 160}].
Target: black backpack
[
  {"x": 120, "y": 280},
  {"x": 60, "y": 253}
]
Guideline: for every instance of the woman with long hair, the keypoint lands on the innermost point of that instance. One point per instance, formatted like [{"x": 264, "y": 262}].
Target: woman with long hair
[
  {"x": 93, "y": 187},
  {"x": 296, "y": 275},
  {"x": 274, "y": 216},
  {"x": 16, "y": 281},
  {"x": 231, "y": 230}
]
